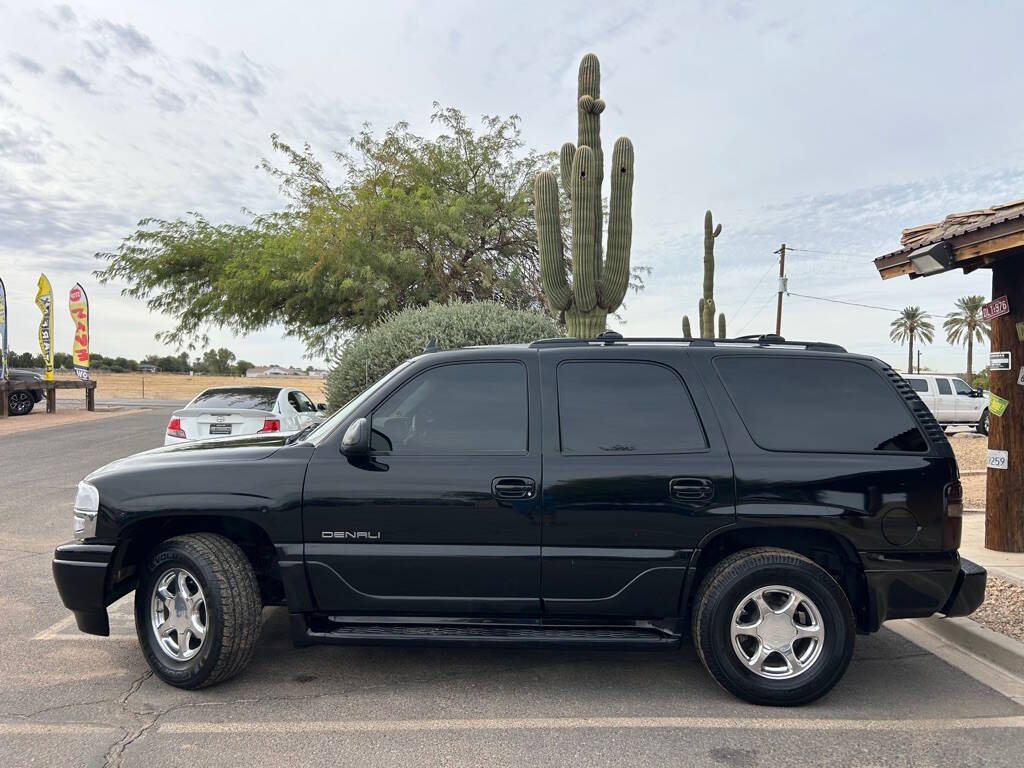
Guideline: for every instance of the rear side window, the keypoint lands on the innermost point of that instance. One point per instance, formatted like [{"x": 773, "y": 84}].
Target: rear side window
[
  {"x": 918, "y": 385},
  {"x": 943, "y": 385},
  {"x": 802, "y": 404},
  {"x": 259, "y": 398},
  {"x": 621, "y": 407}
]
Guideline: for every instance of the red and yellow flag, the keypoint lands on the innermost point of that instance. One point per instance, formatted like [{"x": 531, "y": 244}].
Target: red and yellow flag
[{"x": 78, "y": 303}]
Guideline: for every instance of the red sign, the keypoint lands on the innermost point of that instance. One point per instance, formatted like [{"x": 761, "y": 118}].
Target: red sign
[{"x": 995, "y": 308}]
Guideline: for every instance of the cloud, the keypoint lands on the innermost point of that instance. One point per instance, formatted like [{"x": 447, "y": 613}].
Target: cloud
[
  {"x": 70, "y": 77},
  {"x": 125, "y": 37},
  {"x": 29, "y": 65},
  {"x": 212, "y": 75},
  {"x": 63, "y": 18},
  {"x": 137, "y": 76},
  {"x": 168, "y": 101},
  {"x": 20, "y": 145}
]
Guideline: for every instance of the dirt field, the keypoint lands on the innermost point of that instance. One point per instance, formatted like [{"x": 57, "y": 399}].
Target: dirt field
[{"x": 173, "y": 386}]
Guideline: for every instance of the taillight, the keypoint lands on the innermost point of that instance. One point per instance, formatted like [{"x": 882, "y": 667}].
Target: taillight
[
  {"x": 270, "y": 425},
  {"x": 174, "y": 428},
  {"x": 953, "y": 522}
]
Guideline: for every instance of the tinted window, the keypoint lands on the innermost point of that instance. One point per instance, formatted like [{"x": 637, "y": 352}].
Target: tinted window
[
  {"x": 918, "y": 385},
  {"x": 260, "y": 398},
  {"x": 625, "y": 407},
  {"x": 943, "y": 385},
  {"x": 961, "y": 387},
  {"x": 793, "y": 404},
  {"x": 300, "y": 402},
  {"x": 463, "y": 408}
]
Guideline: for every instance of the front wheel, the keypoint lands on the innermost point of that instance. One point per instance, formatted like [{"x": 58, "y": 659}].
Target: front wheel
[
  {"x": 197, "y": 610},
  {"x": 772, "y": 627},
  {"x": 982, "y": 427},
  {"x": 20, "y": 403}
]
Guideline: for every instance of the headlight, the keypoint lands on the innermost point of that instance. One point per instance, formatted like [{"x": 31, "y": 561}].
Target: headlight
[{"x": 87, "y": 507}]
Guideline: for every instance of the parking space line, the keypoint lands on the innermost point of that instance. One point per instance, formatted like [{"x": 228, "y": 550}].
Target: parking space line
[
  {"x": 68, "y": 622},
  {"x": 574, "y": 723},
  {"x": 43, "y": 729}
]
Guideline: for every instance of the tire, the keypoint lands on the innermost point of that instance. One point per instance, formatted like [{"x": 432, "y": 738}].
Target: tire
[
  {"x": 982, "y": 426},
  {"x": 20, "y": 403},
  {"x": 221, "y": 596},
  {"x": 725, "y": 599}
]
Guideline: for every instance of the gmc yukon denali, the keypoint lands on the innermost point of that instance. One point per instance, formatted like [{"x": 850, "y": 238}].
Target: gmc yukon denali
[{"x": 768, "y": 499}]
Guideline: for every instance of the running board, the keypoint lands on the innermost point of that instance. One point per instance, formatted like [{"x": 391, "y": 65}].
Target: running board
[{"x": 479, "y": 635}]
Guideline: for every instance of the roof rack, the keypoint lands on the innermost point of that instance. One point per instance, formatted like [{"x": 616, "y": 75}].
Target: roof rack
[{"x": 609, "y": 338}]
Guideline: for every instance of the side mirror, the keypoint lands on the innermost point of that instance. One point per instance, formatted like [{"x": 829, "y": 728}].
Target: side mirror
[
  {"x": 356, "y": 441},
  {"x": 321, "y": 407}
]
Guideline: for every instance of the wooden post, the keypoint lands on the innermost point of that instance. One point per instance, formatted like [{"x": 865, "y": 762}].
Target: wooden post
[
  {"x": 1004, "y": 508},
  {"x": 90, "y": 396},
  {"x": 782, "y": 274},
  {"x": 4, "y": 395},
  {"x": 51, "y": 398}
]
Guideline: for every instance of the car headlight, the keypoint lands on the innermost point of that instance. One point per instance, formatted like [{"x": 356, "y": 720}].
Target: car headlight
[{"x": 87, "y": 507}]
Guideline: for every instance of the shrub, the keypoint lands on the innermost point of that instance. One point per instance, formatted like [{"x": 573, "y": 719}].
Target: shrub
[{"x": 370, "y": 354}]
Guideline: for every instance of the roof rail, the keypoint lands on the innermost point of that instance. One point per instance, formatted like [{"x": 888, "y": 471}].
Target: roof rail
[{"x": 763, "y": 340}]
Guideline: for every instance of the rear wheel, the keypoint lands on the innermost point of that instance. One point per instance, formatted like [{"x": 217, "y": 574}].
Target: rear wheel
[
  {"x": 982, "y": 426},
  {"x": 772, "y": 627},
  {"x": 197, "y": 610},
  {"x": 20, "y": 403}
]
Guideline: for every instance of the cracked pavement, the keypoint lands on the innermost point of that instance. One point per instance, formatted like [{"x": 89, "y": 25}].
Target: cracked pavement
[{"x": 70, "y": 700}]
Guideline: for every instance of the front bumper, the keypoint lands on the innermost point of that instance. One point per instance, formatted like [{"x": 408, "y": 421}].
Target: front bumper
[
  {"x": 916, "y": 586},
  {"x": 81, "y": 574}
]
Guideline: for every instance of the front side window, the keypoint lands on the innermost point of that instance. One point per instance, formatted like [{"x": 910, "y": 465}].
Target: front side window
[
  {"x": 458, "y": 408},
  {"x": 961, "y": 387},
  {"x": 943, "y": 385},
  {"x": 624, "y": 407},
  {"x": 918, "y": 385},
  {"x": 818, "y": 405}
]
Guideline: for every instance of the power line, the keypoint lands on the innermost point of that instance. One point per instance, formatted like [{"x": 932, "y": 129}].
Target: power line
[
  {"x": 856, "y": 257},
  {"x": 753, "y": 290},
  {"x": 855, "y": 304},
  {"x": 756, "y": 314}
]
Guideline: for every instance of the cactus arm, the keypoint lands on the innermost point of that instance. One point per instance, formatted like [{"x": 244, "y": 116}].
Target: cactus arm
[
  {"x": 565, "y": 165},
  {"x": 549, "y": 242},
  {"x": 687, "y": 333},
  {"x": 615, "y": 275},
  {"x": 584, "y": 190},
  {"x": 721, "y": 326}
]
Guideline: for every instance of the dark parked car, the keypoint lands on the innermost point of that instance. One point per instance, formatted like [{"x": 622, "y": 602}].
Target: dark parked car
[
  {"x": 22, "y": 401},
  {"x": 769, "y": 499}
]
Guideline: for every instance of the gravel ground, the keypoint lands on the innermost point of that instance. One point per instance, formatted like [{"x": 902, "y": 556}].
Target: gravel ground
[
  {"x": 1003, "y": 609},
  {"x": 970, "y": 448}
]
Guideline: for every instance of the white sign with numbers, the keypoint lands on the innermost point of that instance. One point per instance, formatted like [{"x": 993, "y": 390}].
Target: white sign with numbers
[
  {"x": 997, "y": 459},
  {"x": 999, "y": 361}
]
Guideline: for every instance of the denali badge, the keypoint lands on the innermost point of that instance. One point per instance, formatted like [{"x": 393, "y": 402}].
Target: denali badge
[{"x": 349, "y": 535}]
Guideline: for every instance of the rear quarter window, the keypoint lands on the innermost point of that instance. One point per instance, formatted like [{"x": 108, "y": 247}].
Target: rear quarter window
[
  {"x": 918, "y": 385},
  {"x": 818, "y": 405}
]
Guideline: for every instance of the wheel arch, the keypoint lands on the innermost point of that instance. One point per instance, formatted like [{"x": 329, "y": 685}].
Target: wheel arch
[
  {"x": 138, "y": 539},
  {"x": 829, "y": 550}
]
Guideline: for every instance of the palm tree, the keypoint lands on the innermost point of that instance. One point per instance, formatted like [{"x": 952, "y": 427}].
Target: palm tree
[
  {"x": 965, "y": 326},
  {"x": 911, "y": 324}
]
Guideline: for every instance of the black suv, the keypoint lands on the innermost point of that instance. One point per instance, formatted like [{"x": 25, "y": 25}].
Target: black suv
[
  {"x": 21, "y": 401},
  {"x": 768, "y": 498}
]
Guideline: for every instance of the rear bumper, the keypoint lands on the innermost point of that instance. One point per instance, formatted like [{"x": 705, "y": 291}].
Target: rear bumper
[
  {"x": 916, "y": 586},
  {"x": 80, "y": 572}
]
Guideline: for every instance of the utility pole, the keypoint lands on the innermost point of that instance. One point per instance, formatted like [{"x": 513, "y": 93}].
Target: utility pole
[
  {"x": 919, "y": 361},
  {"x": 782, "y": 288}
]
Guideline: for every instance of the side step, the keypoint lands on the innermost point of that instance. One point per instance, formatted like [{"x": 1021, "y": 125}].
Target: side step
[{"x": 479, "y": 635}]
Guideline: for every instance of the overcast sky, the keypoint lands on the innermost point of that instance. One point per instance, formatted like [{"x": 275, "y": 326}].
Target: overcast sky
[{"x": 827, "y": 126}]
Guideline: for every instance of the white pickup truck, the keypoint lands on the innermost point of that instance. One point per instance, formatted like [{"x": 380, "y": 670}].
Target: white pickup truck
[{"x": 952, "y": 400}]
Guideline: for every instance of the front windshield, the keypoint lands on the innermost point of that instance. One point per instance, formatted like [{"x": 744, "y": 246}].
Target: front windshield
[{"x": 324, "y": 429}]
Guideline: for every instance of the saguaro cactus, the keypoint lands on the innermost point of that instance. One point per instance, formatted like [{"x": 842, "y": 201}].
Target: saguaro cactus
[
  {"x": 598, "y": 284},
  {"x": 706, "y": 304}
]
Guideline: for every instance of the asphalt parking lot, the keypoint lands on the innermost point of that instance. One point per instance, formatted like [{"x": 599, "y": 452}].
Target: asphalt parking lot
[{"x": 72, "y": 700}]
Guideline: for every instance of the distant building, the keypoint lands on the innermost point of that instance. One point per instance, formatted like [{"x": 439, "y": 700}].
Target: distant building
[
  {"x": 148, "y": 368},
  {"x": 273, "y": 370}
]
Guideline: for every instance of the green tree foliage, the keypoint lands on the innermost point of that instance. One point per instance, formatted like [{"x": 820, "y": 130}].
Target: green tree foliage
[
  {"x": 216, "y": 361},
  {"x": 241, "y": 366},
  {"x": 911, "y": 325},
  {"x": 980, "y": 380},
  {"x": 411, "y": 220},
  {"x": 372, "y": 353},
  {"x": 965, "y": 326}
]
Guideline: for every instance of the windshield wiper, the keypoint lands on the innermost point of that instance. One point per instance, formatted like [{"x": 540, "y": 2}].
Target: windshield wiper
[{"x": 301, "y": 433}]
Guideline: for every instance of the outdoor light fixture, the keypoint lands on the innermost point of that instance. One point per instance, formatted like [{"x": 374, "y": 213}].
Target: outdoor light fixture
[{"x": 930, "y": 259}]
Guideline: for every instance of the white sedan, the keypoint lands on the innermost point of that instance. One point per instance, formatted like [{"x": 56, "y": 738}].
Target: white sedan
[{"x": 242, "y": 410}]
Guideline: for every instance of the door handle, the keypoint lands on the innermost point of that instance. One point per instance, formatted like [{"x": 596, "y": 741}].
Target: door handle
[
  {"x": 690, "y": 489},
  {"x": 513, "y": 487}
]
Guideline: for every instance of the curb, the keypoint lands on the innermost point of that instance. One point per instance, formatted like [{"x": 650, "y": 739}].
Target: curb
[{"x": 1004, "y": 652}]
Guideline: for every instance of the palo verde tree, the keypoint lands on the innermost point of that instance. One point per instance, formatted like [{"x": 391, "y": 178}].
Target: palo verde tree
[
  {"x": 965, "y": 326},
  {"x": 410, "y": 220},
  {"x": 911, "y": 325},
  {"x": 599, "y": 283}
]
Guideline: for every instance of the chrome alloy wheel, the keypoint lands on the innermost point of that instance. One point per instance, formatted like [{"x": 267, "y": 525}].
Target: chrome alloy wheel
[
  {"x": 178, "y": 614},
  {"x": 777, "y": 632}
]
